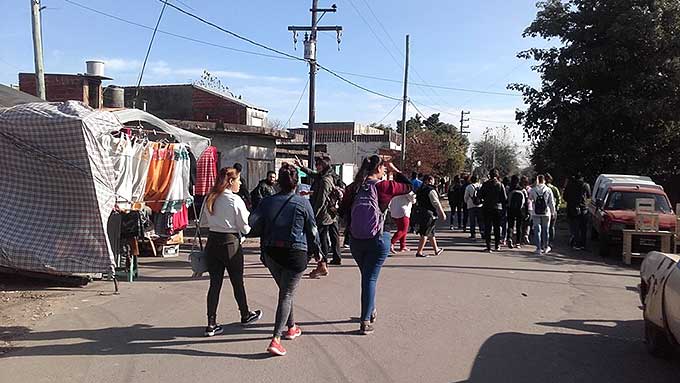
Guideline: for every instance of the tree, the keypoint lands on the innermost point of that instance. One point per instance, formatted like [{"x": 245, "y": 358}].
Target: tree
[
  {"x": 438, "y": 146},
  {"x": 500, "y": 153},
  {"x": 275, "y": 123},
  {"x": 609, "y": 99}
]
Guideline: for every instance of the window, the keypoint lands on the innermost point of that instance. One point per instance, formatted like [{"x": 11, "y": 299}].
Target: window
[{"x": 626, "y": 201}]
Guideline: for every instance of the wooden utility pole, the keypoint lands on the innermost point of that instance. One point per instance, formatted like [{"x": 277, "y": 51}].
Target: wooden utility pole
[
  {"x": 310, "y": 56},
  {"x": 38, "y": 49},
  {"x": 403, "y": 109}
]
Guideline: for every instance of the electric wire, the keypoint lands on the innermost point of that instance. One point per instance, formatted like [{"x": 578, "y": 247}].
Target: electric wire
[
  {"x": 389, "y": 113},
  {"x": 357, "y": 85},
  {"x": 114, "y": 17},
  {"x": 148, "y": 51},
  {"x": 298, "y": 103}
]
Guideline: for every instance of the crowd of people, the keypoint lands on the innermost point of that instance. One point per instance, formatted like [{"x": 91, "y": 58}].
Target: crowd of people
[{"x": 297, "y": 225}]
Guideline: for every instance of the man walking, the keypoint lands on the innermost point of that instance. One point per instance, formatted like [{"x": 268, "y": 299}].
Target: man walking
[
  {"x": 267, "y": 187},
  {"x": 494, "y": 198},
  {"x": 323, "y": 184},
  {"x": 576, "y": 194},
  {"x": 431, "y": 211},
  {"x": 542, "y": 208},
  {"x": 474, "y": 206},
  {"x": 455, "y": 195},
  {"x": 558, "y": 200}
]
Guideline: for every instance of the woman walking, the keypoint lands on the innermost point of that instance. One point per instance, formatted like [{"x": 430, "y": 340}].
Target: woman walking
[
  {"x": 430, "y": 211},
  {"x": 288, "y": 230},
  {"x": 227, "y": 219},
  {"x": 364, "y": 206},
  {"x": 400, "y": 210}
]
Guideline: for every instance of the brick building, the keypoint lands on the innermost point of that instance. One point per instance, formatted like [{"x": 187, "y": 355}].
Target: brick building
[
  {"x": 63, "y": 87},
  {"x": 191, "y": 102}
]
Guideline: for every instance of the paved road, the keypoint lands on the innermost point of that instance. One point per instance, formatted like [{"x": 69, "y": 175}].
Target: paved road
[{"x": 464, "y": 316}]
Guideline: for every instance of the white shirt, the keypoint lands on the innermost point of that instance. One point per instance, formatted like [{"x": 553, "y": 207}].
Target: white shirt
[
  {"x": 469, "y": 192},
  {"x": 545, "y": 191},
  {"x": 230, "y": 215},
  {"x": 401, "y": 205}
]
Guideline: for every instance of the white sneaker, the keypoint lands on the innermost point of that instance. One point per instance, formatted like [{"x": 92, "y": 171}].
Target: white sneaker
[{"x": 547, "y": 250}]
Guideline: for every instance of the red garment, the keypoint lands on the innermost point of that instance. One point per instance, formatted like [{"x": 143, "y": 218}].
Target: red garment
[
  {"x": 386, "y": 191},
  {"x": 402, "y": 230},
  {"x": 180, "y": 220},
  {"x": 206, "y": 171}
]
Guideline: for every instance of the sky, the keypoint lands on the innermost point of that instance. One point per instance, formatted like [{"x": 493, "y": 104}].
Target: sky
[{"x": 460, "y": 44}]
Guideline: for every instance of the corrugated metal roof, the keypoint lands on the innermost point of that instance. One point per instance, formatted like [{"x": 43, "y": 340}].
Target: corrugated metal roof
[{"x": 10, "y": 97}]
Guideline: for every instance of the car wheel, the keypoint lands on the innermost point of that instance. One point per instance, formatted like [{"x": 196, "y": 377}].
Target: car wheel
[
  {"x": 656, "y": 341},
  {"x": 604, "y": 246}
]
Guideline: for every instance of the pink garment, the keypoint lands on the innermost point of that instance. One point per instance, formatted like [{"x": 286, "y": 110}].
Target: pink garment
[
  {"x": 206, "y": 171},
  {"x": 180, "y": 220}
]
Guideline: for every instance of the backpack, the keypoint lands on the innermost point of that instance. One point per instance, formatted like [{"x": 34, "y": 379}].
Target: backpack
[
  {"x": 366, "y": 218},
  {"x": 540, "y": 206},
  {"x": 517, "y": 203},
  {"x": 476, "y": 198},
  {"x": 334, "y": 198}
]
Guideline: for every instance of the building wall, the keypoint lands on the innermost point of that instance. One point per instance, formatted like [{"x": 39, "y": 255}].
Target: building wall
[
  {"x": 60, "y": 88},
  {"x": 209, "y": 107},
  {"x": 256, "y": 154},
  {"x": 163, "y": 102}
]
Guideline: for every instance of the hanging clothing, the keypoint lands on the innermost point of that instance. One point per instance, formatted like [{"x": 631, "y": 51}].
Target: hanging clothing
[
  {"x": 121, "y": 151},
  {"x": 206, "y": 171},
  {"x": 180, "y": 220},
  {"x": 141, "y": 159},
  {"x": 159, "y": 177},
  {"x": 178, "y": 192}
]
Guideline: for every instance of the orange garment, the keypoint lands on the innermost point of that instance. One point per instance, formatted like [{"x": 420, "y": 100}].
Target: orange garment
[{"x": 159, "y": 179}]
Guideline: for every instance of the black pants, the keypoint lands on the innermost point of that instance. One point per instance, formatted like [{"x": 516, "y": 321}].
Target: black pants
[
  {"x": 330, "y": 243},
  {"x": 457, "y": 210},
  {"x": 224, "y": 252},
  {"x": 492, "y": 220},
  {"x": 515, "y": 223},
  {"x": 465, "y": 216}
]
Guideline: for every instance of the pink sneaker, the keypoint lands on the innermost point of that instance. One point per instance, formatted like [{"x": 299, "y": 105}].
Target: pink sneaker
[
  {"x": 275, "y": 348},
  {"x": 293, "y": 333}
]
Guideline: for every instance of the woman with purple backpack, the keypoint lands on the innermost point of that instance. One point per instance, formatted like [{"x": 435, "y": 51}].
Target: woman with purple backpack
[{"x": 364, "y": 208}]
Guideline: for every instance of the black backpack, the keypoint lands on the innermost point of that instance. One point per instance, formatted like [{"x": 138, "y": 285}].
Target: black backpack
[
  {"x": 517, "y": 203},
  {"x": 476, "y": 198},
  {"x": 540, "y": 206}
]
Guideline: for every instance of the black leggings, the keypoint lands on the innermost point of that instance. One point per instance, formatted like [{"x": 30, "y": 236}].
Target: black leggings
[{"x": 224, "y": 252}]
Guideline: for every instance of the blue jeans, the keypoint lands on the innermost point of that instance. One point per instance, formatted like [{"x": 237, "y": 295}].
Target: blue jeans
[
  {"x": 370, "y": 254},
  {"x": 541, "y": 231},
  {"x": 475, "y": 214}
]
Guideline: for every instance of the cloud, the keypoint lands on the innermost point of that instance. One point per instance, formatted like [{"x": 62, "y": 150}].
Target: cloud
[{"x": 121, "y": 65}]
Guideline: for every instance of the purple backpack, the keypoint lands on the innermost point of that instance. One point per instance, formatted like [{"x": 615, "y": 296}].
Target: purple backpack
[{"x": 367, "y": 219}]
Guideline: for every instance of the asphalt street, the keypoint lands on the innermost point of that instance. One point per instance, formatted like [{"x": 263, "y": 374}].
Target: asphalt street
[{"x": 464, "y": 316}]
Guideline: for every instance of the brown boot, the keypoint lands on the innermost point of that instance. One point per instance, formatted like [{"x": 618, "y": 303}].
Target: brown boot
[{"x": 320, "y": 271}]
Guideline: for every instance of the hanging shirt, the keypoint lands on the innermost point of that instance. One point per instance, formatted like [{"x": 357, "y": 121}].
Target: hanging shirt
[
  {"x": 141, "y": 159},
  {"x": 159, "y": 178},
  {"x": 121, "y": 151},
  {"x": 206, "y": 171},
  {"x": 178, "y": 193}
]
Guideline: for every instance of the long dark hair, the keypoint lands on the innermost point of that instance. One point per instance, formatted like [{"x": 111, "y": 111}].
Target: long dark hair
[
  {"x": 225, "y": 178},
  {"x": 369, "y": 166}
]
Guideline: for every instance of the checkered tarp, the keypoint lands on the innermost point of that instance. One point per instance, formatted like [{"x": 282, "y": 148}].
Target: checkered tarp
[{"x": 56, "y": 188}]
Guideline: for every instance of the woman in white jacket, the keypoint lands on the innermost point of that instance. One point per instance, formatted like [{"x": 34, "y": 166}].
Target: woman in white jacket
[{"x": 400, "y": 210}]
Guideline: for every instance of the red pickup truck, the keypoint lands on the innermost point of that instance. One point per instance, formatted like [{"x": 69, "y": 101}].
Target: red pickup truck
[{"x": 616, "y": 212}]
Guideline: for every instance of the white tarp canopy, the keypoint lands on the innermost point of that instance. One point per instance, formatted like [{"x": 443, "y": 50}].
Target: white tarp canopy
[{"x": 197, "y": 143}]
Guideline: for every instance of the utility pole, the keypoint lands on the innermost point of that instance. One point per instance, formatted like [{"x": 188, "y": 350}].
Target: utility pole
[
  {"x": 38, "y": 49},
  {"x": 463, "y": 120},
  {"x": 403, "y": 109},
  {"x": 310, "y": 56}
]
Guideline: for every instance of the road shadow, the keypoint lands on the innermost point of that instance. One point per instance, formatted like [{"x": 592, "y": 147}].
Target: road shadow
[
  {"x": 607, "y": 355},
  {"x": 139, "y": 339}
]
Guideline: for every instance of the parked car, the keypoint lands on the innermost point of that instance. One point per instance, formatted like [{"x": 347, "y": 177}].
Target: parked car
[
  {"x": 613, "y": 210},
  {"x": 605, "y": 181},
  {"x": 660, "y": 296}
]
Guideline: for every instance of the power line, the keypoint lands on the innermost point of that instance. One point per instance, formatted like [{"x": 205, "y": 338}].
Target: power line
[
  {"x": 390, "y": 112},
  {"x": 357, "y": 85},
  {"x": 114, "y": 17},
  {"x": 431, "y": 86},
  {"x": 375, "y": 34},
  {"x": 298, "y": 103},
  {"x": 234, "y": 34},
  {"x": 148, "y": 51}
]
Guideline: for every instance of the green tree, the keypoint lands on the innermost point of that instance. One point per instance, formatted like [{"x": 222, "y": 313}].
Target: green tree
[
  {"x": 609, "y": 99},
  {"x": 500, "y": 153}
]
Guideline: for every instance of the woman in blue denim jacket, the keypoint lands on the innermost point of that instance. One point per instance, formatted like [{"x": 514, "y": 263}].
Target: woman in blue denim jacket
[{"x": 286, "y": 225}]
